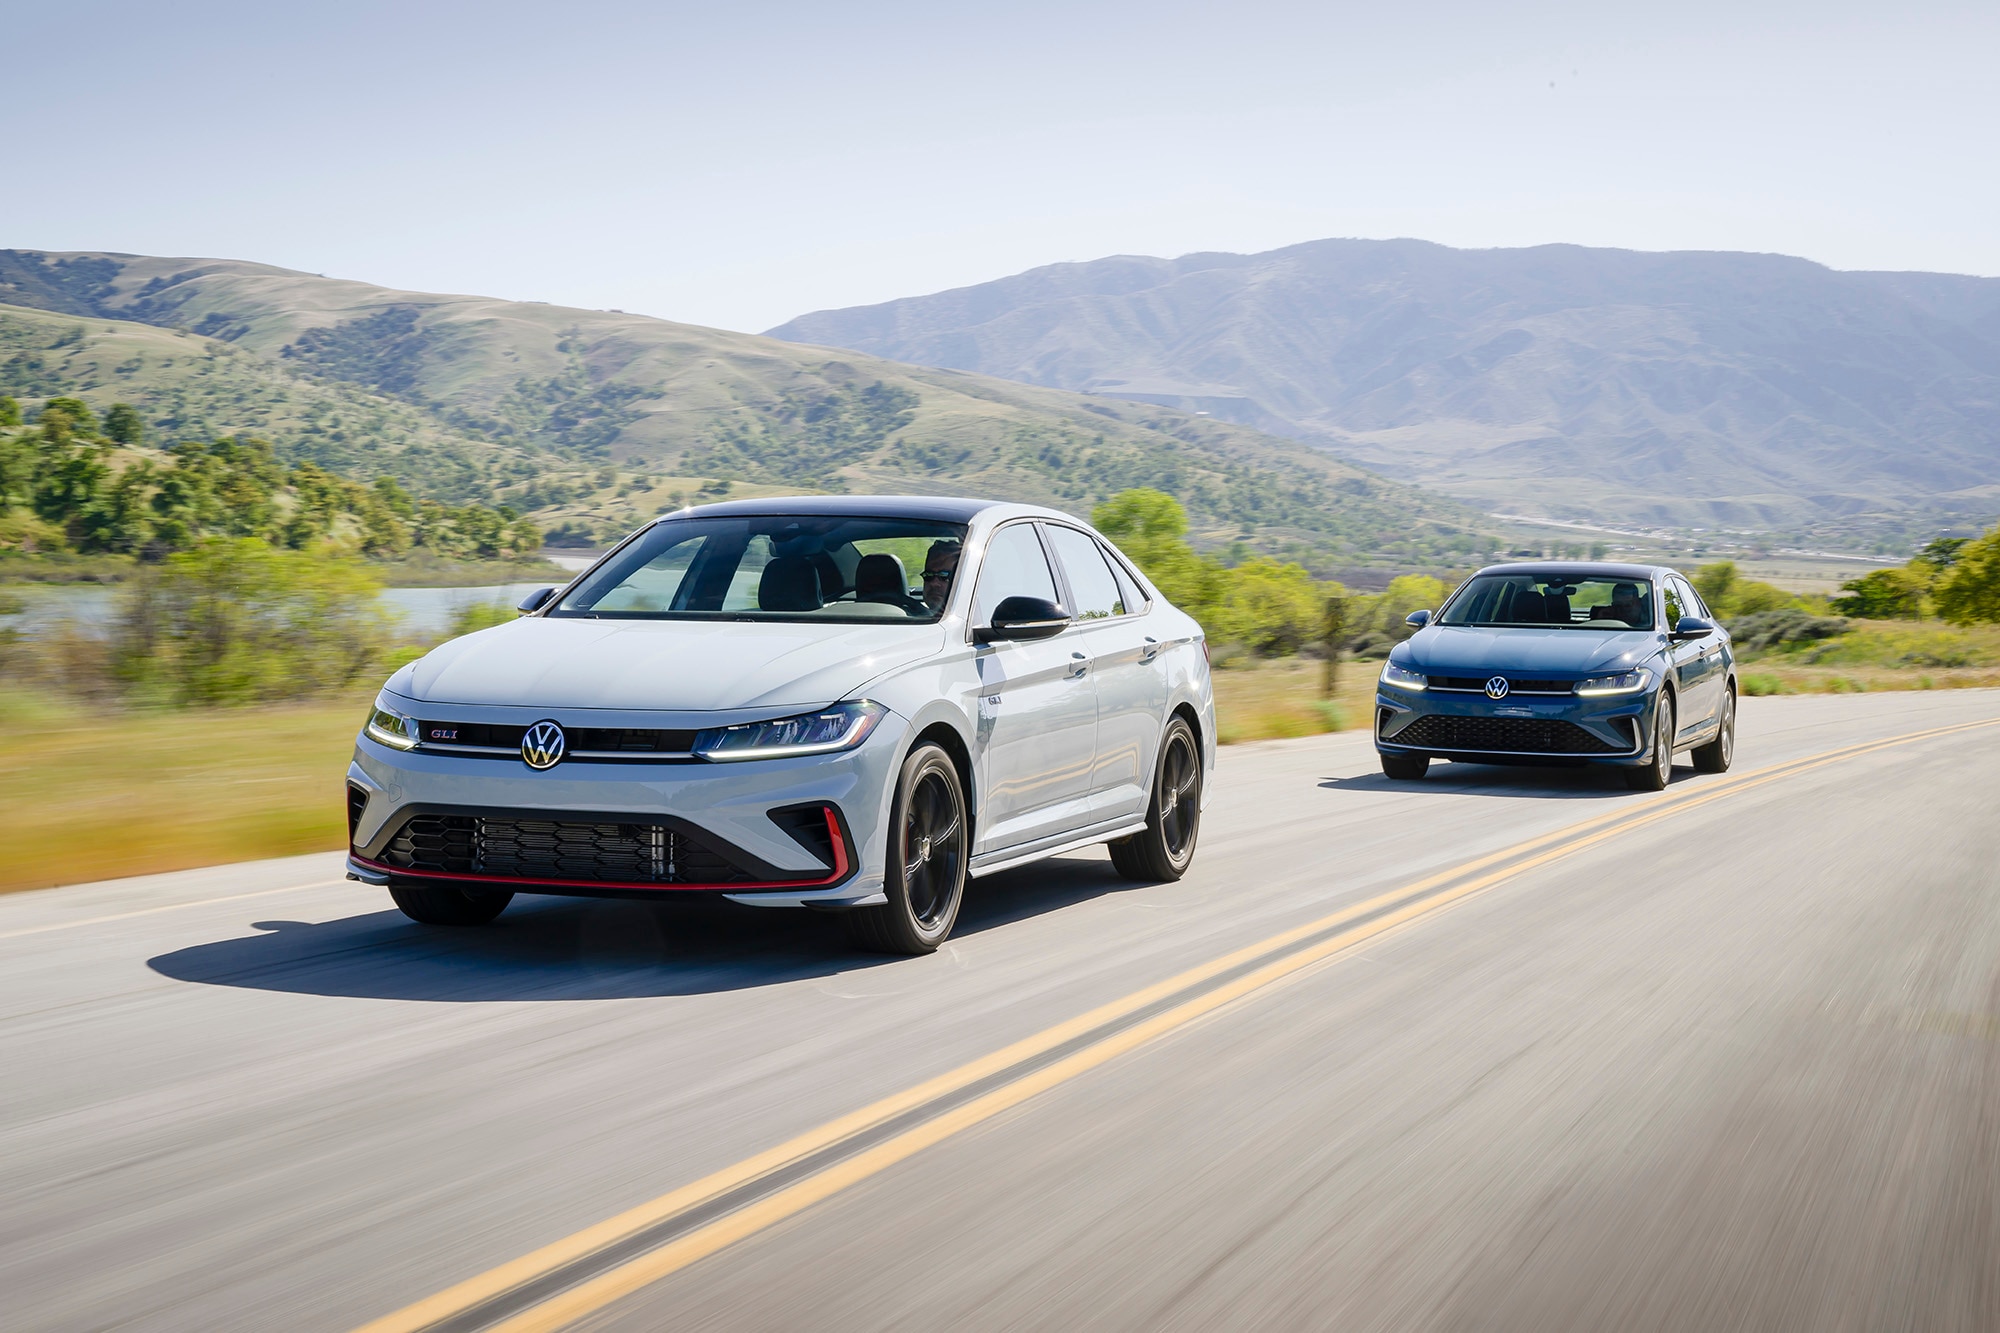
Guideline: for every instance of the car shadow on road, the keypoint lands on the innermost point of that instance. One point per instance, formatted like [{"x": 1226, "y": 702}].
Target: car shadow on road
[
  {"x": 1585, "y": 782},
  {"x": 546, "y": 948}
]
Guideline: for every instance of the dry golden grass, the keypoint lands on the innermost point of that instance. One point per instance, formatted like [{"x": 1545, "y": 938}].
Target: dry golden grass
[
  {"x": 95, "y": 794},
  {"x": 1276, "y": 700}
]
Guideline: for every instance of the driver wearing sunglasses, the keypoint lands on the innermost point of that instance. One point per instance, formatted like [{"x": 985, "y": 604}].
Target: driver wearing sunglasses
[{"x": 940, "y": 566}]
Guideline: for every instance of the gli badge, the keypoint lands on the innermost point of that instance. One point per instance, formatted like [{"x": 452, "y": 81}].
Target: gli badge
[{"x": 542, "y": 746}]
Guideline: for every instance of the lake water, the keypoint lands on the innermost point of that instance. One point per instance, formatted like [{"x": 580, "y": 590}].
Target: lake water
[{"x": 424, "y": 612}]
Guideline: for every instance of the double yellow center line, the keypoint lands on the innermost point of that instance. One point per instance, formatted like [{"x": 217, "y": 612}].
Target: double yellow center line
[{"x": 561, "y": 1283}]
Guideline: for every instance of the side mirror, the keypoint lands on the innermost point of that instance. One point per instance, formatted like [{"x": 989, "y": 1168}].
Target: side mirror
[
  {"x": 535, "y": 600},
  {"x": 1418, "y": 619},
  {"x": 1022, "y": 618},
  {"x": 1692, "y": 627}
]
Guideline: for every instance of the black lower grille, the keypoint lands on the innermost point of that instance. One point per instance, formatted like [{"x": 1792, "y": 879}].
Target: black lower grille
[
  {"x": 1502, "y": 735},
  {"x": 473, "y": 845}
]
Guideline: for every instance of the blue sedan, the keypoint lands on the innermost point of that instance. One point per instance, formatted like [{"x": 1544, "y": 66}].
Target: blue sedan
[{"x": 1562, "y": 663}]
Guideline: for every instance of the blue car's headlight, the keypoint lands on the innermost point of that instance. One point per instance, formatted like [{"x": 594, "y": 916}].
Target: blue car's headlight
[
  {"x": 1402, "y": 679},
  {"x": 841, "y": 727},
  {"x": 388, "y": 727},
  {"x": 1629, "y": 682}
]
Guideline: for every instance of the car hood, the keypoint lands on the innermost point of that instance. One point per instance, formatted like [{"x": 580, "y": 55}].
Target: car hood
[
  {"x": 677, "y": 665},
  {"x": 1451, "y": 650}
]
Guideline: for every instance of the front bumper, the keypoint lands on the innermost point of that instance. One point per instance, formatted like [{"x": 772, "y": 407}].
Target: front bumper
[
  {"x": 1520, "y": 728},
  {"x": 643, "y": 820}
]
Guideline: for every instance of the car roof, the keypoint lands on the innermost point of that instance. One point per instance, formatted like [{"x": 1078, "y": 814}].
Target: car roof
[
  {"x": 1571, "y": 569},
  {"x": 945, "y": 509}
]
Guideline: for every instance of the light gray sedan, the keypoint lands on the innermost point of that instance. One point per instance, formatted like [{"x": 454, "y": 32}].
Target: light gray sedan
[{"x": 851, "y": 703}]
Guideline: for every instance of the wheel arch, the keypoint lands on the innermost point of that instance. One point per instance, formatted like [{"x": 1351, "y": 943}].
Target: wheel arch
[{"x": 946, "y": 737}]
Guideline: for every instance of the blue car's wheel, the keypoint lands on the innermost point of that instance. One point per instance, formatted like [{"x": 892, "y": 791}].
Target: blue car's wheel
[
  {"x": 1660, "y": 770},
  {"x": 1714, "y": 757}
]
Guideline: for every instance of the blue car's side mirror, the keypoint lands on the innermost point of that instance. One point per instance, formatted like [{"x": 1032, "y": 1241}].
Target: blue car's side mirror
[
  {"x": 1418, "y": 619},
  {"x": 535, "y": 600},
  {"x": 1693, "y": 627}
]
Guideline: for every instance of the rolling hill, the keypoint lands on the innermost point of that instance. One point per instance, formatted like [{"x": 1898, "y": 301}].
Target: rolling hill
[
  {"x": 1689, "y": 388},
  {"x": 583, "y": 389}
]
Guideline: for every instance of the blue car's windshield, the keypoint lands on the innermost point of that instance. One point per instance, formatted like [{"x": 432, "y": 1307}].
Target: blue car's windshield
[
  {"x": 778, "y": 567},
  {"x": 1595, "y": 603}
]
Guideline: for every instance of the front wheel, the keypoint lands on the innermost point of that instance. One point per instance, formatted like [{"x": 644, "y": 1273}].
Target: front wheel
[
  {"x": 1164, "y": 849},
  {"x": 1660, "y": 769},
  {"x": 925, "y": 878},
  {"x": 1714, "y": 757},
  {"x": 1405, "y": 767},
  {"x": 448, "y": 905}
]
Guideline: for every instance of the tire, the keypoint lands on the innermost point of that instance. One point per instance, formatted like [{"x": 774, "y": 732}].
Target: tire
[
  {"x": 1660, "y": 770},
  {"x": 1165, "y": 849},
  {"x": 1405, "y": 767},
  {"x": 1715, "y": 756},
  {"x": 925, "y": 876},
  {"x": 448, "y": 905}
]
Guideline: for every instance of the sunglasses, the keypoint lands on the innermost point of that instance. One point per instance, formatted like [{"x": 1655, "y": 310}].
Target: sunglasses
[{"x": 941, "y": 575}]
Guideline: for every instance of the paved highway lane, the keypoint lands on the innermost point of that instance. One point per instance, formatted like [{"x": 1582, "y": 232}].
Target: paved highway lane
[{"x": 1726, "y": 1056}]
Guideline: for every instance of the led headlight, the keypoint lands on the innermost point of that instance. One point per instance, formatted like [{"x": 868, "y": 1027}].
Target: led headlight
[
  {"x": 388, "y": 727},
  {"x": 1402, "y": 679},
  {"x": 841, "y": 727},
  {"x": 1630, "y": 682}
]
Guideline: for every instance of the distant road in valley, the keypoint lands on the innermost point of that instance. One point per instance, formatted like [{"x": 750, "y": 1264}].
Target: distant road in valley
[{"x": 1508, "y": 1049}]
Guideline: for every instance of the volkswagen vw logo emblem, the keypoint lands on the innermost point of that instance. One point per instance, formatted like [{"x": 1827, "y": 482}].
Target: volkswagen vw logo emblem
[
  {"x": 543, "y": 746},
  {"x": 1495, "y": 689}
]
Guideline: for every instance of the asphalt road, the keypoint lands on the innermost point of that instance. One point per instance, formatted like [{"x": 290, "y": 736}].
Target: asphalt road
[{"x": 1722, "y": 1057}]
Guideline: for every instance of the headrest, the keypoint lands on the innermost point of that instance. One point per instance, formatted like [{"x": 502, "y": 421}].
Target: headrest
[
  {"x": 789, "y": 583},
  {"x": 880, "y": 577}
]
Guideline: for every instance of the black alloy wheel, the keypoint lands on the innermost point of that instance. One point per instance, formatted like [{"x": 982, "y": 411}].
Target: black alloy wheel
[
  {"x": 925, "y": 879},
  {"x": 1165, "y": 848},
  {"x": 1660, "y": 769},
  {"x": 1715, "y": 756},
  {"x": 449, "y": 905}
]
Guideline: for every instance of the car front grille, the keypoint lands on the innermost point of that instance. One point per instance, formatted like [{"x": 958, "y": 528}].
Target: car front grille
[
  {"x": 1502, "y": 735},
  {"x": 488, "y": 741},
  {"x": 513, "y": 848},
  {"x": 1515, "y": 684}
]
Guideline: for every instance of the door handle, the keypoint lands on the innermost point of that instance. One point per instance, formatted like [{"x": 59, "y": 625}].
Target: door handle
[
  {"x": 1078, "y": 665},
  {"x": 1151, "y": 650}
]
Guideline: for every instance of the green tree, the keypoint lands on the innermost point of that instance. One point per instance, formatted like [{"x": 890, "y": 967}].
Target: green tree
[
  {"x": 74, "y": 415},
  {"x": 1729, "y": 594},
  {"x": 124, "y": 424},
  {"x": 239, "y": 621},
  {"x": 1884, "y": 594},
  {"x": 1151, "y": 527},
  {"x": 10, "y": 412},
  {"x": 1970, "y": 591},
  {"x": 1273, "y": 607}
]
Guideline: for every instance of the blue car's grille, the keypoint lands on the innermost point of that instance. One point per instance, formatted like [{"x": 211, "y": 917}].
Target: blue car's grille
[
  {"x": 1502, "y": 735},
  {"x": 1515, "y": 684}
]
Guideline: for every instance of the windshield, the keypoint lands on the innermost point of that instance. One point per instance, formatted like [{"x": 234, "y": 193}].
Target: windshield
[
  {"x": 777, "y": 567},
  {"x": 1596, "y": 602}
]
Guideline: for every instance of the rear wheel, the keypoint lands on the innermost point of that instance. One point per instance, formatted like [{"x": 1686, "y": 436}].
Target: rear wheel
[
  {"x": 449, "y": 905},
  {"x": 1714, "y": 757},
  {"x": 1165, "y": 848},
  {"x": 1660, "y": 769},
  {"x": 925, "y": 879},
  {"x": 1405, "y": 767}
]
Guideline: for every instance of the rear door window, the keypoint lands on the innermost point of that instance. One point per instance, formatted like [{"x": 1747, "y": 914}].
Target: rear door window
[{"x": 1090, "y": 581}]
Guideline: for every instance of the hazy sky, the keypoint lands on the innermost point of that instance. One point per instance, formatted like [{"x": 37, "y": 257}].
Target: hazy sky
[{"x": 738, "y": 164}]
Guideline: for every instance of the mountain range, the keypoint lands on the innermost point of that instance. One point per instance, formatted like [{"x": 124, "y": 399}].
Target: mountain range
[
  {"x": 1687, "y": 388},
  {"x": 480, "y": 398}
]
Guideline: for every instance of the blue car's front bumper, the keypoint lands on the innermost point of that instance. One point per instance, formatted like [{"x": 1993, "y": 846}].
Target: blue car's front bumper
[{"x": 1519, "y": 728}]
